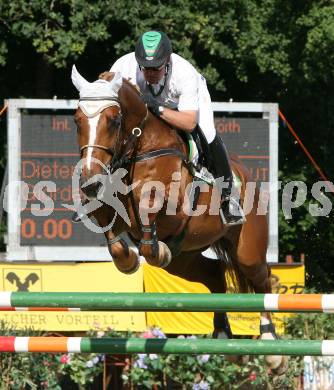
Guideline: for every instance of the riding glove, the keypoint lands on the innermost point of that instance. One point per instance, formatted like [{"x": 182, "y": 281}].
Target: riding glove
[{"x": 152, "y": 105}]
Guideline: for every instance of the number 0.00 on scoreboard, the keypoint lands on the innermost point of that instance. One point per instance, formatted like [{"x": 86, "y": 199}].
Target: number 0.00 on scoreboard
[{"x": 49, "y": 153}]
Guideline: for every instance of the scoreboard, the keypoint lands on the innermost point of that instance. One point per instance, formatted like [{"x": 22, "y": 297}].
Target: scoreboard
[
  {"x": 248, "y": 139},
  {"x": 42, "y": 145},
  {"x": 49, "y": 152}
]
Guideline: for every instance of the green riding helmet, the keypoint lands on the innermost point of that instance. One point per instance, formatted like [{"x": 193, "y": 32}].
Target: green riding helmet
[{"x": 153, "y": 48}]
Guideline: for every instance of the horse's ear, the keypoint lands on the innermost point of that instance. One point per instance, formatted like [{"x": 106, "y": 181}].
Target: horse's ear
[
  {"x": 116, "y": 82},
  {"x": 77, "y": 79}
]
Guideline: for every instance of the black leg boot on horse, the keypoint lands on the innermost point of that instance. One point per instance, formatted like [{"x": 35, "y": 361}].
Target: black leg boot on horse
[{"x": 231, "y": 212}]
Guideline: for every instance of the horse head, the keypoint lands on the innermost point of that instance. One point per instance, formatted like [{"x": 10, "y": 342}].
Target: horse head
[{"x": 102, "y": 130}]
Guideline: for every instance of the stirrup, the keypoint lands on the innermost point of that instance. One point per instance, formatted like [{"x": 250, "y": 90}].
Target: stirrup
[
  {"x": 231, "y": 212},
  {"x": 78, "y": 217},
  {"x": 75, "y": 217}
]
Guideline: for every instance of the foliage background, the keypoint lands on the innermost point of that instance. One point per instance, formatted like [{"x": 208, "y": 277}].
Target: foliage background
[{"x": 249, "y": 50}]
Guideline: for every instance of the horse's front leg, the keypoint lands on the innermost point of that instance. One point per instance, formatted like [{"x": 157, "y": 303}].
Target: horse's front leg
[
  {"x": 125, "y": 258},
  {"x": 156, "y": 252}
]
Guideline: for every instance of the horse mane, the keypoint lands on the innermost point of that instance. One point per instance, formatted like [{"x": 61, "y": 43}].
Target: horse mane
[
  {"x": 108, "y": 76},
  {"x": 133, "y": 86}
]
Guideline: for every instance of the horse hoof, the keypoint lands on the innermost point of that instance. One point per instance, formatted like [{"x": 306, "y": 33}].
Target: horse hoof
[
  {"x": 165, "y": 255},
  {"x": 131, "y": 270},
  {"x": 273, "y": 361},
  {"x": 282, "y": 367},
  {"x": 277, "y": 363},
  {"x": 133, "y": 260}
]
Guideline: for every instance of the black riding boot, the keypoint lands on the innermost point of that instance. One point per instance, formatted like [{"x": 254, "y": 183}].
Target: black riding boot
[{"x": 231, "y": 211}]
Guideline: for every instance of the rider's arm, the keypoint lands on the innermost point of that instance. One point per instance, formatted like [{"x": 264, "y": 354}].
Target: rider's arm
[
  {"x": 121, "y": 63},
  {"x": 127, "y": 66},
  {"x": 185, "y": 120},
  {"x": 118, "y": 66},
  {"x": 186, "y": 117}
]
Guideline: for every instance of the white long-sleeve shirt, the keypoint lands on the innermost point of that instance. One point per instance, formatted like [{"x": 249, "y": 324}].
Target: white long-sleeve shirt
[
  {"x": 185, "y": 88},
  {"x": 181, "y": 89}
]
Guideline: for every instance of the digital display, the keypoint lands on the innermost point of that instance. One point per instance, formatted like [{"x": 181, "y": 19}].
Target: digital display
[
  {"x": 49, "y": 152},
  {"x": 248, "y": 138}
]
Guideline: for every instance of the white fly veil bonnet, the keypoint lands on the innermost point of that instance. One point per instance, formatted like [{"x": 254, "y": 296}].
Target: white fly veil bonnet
[{"x": 96, "y": 96}]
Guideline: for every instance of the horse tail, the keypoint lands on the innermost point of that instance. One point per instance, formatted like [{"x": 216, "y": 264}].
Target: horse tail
[{"x": 237, "y": 282}]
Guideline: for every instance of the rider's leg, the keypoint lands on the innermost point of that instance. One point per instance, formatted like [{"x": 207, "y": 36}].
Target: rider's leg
[{"x": 231, "y": 211}]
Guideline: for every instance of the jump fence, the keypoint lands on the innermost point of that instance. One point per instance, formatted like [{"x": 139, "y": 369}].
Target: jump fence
[
  {"x": 160, "y": 302},
  {"x": 166, "y": 346}
]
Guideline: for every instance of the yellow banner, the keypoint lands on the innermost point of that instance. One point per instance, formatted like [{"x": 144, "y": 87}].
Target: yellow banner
[
  {"x": 158, "y": 280},
  {"x": 79, "y": 277},
  {"x": 104, "y": 277},
  {"x": 286, "y": 279}
]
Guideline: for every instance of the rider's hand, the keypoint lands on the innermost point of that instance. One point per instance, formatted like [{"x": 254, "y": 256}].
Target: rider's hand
[
  {"x": 106, "y": 76},
  {"x": 152, "y": 104}
]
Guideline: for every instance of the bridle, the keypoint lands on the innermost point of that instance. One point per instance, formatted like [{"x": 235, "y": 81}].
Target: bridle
[{"x": 129, "y": 144}]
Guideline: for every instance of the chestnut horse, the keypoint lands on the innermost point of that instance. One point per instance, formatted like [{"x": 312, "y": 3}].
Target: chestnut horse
[{"x": 116, "y": 130}]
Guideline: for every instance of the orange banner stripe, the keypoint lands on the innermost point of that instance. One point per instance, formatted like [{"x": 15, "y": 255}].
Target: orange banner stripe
[
  {"x": 293, "y": 301},
  {"x": 47, "y": 344}
]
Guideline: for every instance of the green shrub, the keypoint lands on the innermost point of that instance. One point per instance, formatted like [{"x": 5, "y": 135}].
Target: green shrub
[{"x": 45, "y": 370}]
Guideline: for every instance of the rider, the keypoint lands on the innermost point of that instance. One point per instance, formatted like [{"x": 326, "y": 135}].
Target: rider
[{"x": 175, "y": 92}]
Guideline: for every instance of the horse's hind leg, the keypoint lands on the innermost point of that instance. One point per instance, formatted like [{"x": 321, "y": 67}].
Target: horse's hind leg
[
  {"x": 251, "y": 258},
  {"x": 195, "y": 267}
]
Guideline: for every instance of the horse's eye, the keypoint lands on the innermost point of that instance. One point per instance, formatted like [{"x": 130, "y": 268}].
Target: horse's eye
[{"x": 115, "y": 122}]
